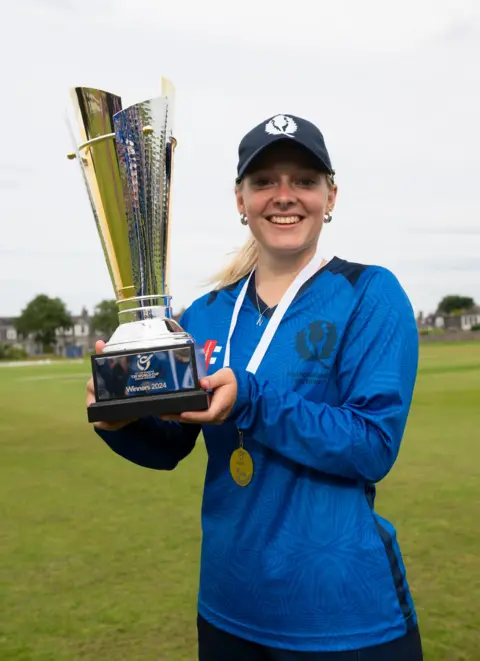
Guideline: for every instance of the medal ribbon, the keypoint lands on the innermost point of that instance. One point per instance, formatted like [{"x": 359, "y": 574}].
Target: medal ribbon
[
  {"x": 310, "y": 269},
  {"x": 241, "y": 463}
]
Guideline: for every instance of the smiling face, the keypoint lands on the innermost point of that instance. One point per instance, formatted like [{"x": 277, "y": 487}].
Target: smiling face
[{"x": 285, "y": 198}]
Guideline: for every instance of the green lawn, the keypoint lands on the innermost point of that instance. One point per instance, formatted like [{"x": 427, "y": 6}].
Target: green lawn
[{"x": 99, "y": 558}]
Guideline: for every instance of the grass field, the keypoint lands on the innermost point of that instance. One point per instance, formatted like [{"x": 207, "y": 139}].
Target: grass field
[{"x": 99, "y": 558}]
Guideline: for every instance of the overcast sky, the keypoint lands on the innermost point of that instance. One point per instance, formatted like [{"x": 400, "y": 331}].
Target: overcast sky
[{"x": 393, "y": 86}]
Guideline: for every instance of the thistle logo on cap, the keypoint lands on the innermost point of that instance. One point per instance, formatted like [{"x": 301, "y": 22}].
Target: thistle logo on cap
[{"x": 281, "y": 125}]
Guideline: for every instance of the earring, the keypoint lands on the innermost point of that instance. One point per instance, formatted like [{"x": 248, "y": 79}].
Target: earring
[
  {"x": 327, "y": 218},
  {"x": 243, "y": 219}
]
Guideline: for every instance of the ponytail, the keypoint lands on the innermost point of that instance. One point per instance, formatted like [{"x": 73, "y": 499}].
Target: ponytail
[{"x": 240, "y": 266}]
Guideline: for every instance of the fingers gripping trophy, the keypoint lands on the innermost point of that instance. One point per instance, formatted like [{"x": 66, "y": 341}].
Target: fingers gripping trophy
[{"x": 150, "y": 365}]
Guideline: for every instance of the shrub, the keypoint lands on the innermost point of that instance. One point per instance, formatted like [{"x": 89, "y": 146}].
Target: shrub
[{"x": 12, "y": 352}]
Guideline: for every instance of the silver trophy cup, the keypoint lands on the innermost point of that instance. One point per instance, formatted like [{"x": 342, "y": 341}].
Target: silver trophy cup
[{"x": 150, "y": 365}]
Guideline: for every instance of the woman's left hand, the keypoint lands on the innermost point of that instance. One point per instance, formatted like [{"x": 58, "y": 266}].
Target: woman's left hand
[{"x": 224, "y": 386}]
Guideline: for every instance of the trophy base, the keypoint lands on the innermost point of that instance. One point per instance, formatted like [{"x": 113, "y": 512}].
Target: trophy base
[
  {"x": 143, "y": 373},
  {"x": 168, "y": 404}
]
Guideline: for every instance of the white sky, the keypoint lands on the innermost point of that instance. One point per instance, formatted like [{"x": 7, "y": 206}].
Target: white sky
[{"x": 393, "y": 86}]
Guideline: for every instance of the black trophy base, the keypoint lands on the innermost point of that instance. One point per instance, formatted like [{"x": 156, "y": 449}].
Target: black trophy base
[{"x": 146, "y": 406}]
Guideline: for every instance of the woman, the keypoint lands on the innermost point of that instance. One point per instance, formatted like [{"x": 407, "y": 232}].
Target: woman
[{"x": 312, "y": 363}]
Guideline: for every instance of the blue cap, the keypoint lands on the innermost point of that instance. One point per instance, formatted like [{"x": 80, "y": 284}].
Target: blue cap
[{"x": 283, "y": 127}]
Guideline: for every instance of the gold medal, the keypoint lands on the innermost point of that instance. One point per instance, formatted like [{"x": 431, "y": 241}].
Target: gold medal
[{"x": 241, "y": 465}]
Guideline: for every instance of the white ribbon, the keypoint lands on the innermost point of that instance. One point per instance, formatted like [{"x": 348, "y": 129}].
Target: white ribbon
[{"x": 310, "y": 269}]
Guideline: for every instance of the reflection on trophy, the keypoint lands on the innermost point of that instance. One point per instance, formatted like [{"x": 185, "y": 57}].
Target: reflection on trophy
[{"x": 150, "y": 366}]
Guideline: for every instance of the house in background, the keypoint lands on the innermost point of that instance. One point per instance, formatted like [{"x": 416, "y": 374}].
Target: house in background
[
  {"x": 8, "y": 332},
  {"x": 9, "y": 336},
  {"x": 73, "y": 342},
  {"x": 470, "y": 318},
  {"x": 78, "y": 340},
  {"x": 450, "y": 322}
]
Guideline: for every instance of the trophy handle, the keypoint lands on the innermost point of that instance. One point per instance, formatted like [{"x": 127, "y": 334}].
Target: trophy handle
[{"x": 147, "y": 130}]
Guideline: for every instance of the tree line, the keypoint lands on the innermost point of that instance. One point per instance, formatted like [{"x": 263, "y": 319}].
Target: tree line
[{"x": 43, "y": 316}]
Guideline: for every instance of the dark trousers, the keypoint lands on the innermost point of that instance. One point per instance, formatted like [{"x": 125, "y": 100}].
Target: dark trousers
[{"x": 216, "y": 645}]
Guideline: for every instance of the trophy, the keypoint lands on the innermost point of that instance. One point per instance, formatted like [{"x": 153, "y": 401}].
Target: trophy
[{"x": 150, "y": 365}]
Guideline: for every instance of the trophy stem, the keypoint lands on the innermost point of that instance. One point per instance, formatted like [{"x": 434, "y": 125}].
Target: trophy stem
[
  {"x": 147, "y": 327},
  {"x": 140, "y": 308}
]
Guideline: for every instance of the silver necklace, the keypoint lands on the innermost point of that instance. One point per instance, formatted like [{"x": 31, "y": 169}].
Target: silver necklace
[{"x": 260, "y": 313}]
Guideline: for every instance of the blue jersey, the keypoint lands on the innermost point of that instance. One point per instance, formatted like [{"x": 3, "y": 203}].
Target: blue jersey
[{"x": 299, "y": 558}]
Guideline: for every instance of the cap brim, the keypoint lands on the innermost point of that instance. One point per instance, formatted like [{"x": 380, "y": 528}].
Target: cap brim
[{"x": 275, "y": 140}]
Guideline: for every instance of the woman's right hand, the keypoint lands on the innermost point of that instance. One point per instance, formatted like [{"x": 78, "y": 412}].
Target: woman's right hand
[{"x": 106, "y": 426}]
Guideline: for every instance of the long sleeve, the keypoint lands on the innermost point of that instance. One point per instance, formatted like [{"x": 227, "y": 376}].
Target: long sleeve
[
  {"x": 376, "y": 369},
  {"x": 152, "y": 443}
]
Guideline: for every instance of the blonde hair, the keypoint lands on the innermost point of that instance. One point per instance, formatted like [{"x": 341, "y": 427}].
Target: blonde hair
[
  {"x": 245, "y": 258},
  {"x": 240, "y": 266}
]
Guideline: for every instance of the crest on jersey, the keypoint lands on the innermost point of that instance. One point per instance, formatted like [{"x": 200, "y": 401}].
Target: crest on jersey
[
  {"x": 316, "y": 342},
  {"x": 281, "y": 125}
]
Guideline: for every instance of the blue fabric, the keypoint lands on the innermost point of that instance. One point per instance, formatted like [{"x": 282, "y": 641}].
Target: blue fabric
[{"x": 299, "y": 559}]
